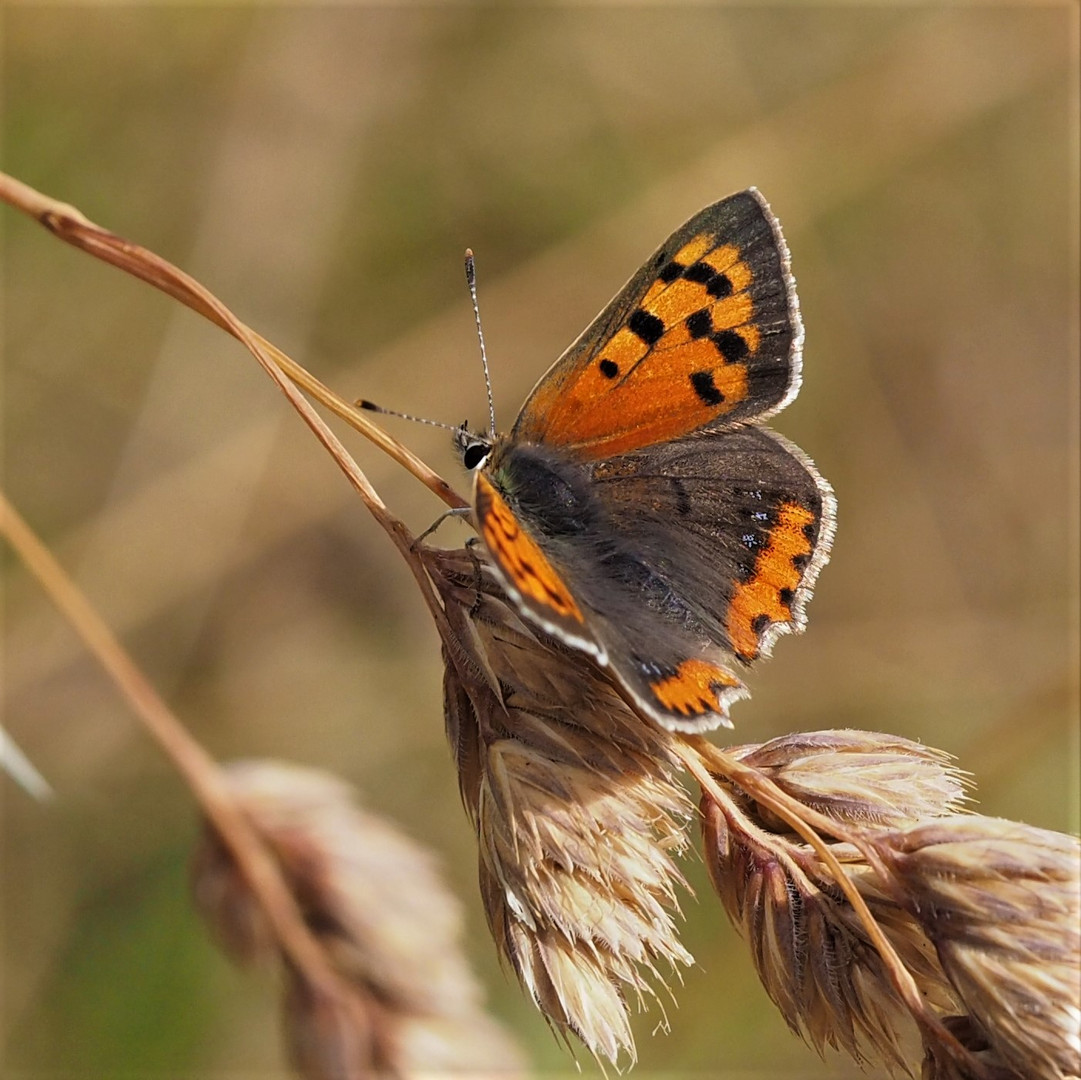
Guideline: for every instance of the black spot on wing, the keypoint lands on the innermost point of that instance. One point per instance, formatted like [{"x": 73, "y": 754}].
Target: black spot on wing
[
  {"x": 609, "y": 368},
  {"x": 645, "y": 326},
  {"x": 706, "y": 389},
  {"x": 730, "y": 345},
  {"x": 720, "y": 287},
  {"x": 700, "y": 324},
  {"x": 700, "y": 272},
  {"x": 670, "y": 271}
]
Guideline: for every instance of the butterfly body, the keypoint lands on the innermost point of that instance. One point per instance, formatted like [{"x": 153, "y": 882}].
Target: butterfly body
[{"x": 637, "y": 509}]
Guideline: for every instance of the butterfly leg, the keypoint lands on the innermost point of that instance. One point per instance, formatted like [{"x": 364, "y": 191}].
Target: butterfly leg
[{"x": 457, "y": 512}]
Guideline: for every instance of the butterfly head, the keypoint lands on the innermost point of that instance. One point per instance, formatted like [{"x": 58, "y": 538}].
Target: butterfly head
[{"x": 473, "y": 448}]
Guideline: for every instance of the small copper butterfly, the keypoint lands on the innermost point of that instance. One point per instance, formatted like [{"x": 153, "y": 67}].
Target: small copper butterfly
[{"x": 638, "y": 509}]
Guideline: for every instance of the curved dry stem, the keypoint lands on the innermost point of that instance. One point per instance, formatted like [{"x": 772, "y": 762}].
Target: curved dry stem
[
  {"x": 303, "y": 952},
  {"x": 695, "y": 752},
  {"x": 73, "y": 227},
  {"x": 359, "y": 420},
  {"x": 70, "y": 225}
]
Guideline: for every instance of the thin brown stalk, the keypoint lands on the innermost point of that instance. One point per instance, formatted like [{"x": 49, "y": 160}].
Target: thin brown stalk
[
  {"x": 73, "y": 227},
  {"x": 70, "y": 225},
  {"x": 199, "y": 770}
]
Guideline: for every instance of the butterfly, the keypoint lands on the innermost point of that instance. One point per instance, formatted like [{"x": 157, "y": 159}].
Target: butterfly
[{"x": 638, "y": 509}]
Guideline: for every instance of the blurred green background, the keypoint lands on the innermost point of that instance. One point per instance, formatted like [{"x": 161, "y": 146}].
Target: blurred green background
[{"x": 322, "y": 169}]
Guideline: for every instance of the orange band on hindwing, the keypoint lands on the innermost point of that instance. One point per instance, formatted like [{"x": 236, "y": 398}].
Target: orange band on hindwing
[
  {"x": 518, "y": 555},
  {"x": 693, "y": 689},
  {"x": 766, "y": 596}
]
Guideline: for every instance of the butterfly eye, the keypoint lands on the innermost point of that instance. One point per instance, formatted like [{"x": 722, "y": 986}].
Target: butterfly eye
[{"x": 475, "y": 455}]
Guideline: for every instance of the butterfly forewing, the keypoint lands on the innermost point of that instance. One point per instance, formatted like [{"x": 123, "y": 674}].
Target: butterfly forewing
[
  {"x": 706, "y": 334},
  {"x": 738, "y": 521},
  {"x": 526, "y": 572}
]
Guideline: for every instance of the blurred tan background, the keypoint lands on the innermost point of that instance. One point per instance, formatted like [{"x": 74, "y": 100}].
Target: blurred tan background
[{"x": 322, "y": 170}]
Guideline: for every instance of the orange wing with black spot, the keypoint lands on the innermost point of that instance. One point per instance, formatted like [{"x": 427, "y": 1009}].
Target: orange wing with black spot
[{"x": 706, "y": 334}]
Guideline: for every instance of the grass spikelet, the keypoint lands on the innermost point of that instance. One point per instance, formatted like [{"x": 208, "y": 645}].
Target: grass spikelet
[
  {"x": 863, "y": 778},
  {"x": 377, "y": 905},
  {"x": 1002, "y": 903},
  {"x": 578, "y": 814},
  {"x": 811, "y": 951}
]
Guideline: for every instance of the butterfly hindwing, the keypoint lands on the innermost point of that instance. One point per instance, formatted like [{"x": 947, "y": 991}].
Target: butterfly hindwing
[
  {"x": 706, "y": 334},
  {"x": 739, "y": 520},
  {"x": 676, "y": 565}
]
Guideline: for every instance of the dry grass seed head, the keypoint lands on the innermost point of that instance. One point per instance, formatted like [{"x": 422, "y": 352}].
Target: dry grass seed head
[
  {"x": 863, "y": 778},
  {"x": 387, "y": 923},
  {"x": 811, "y": 951},
  {"x": 1002, "y": 903},
  {"x": 577, "y": 808}
]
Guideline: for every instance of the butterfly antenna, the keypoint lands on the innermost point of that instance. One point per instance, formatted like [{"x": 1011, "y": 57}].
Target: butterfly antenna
[
  {"x": 471, "y": 278},
  {"x": 370, "y": 406}
]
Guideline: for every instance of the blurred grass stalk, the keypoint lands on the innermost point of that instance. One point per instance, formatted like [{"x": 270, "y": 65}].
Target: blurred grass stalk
[{"x": 21, "y": 769}]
